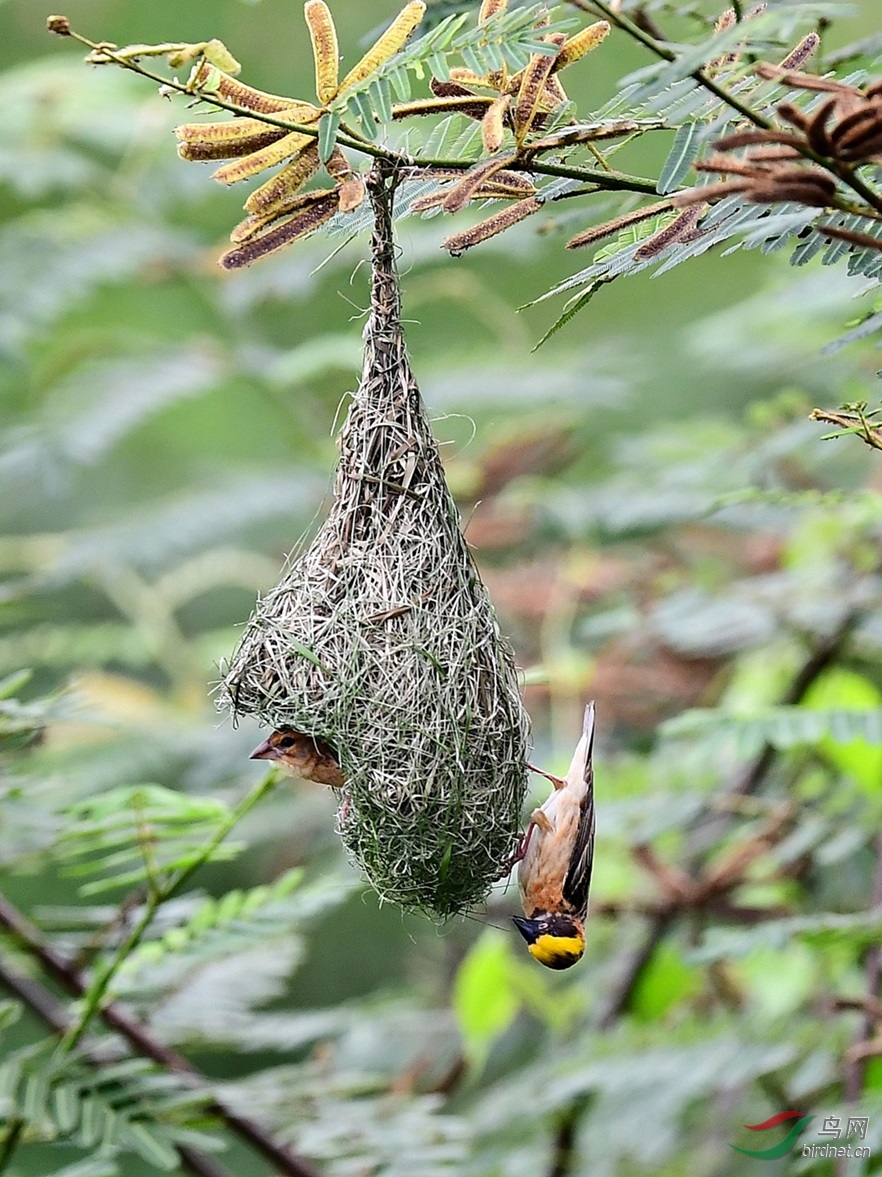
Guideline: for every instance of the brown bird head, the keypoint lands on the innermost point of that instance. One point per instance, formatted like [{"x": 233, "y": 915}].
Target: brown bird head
[{"x": 302, "y": 756}]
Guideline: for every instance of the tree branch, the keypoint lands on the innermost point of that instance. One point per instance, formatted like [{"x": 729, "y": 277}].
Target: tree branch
[
  {"x": 40, "y": 1001},
  {"x": 142, "y": 1041}
]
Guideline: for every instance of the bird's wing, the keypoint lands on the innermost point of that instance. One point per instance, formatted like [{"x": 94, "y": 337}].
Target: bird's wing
[{"x": 581, "y": 773}]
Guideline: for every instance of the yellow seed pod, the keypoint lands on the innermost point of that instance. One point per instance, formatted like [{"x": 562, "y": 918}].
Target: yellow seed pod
[
  {"x": 257, "y": 222},
  {"x": 324, "y": 48},
  {"x": 490, "y": 8},
  {"x": 303, "y": 222},
  {"x": 257, "y": 100},
  {"x": 267, "y": 157},
  {"x": 583, "y": 42},
  {"x": 493, "y": 123},
  {"x": 224, "y": 140},
  {"x": 388, "y": 45},
  {"x": 267, "y": 199}
]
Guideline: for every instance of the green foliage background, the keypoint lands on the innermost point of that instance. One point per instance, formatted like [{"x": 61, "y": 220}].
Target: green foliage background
[{"x": 662, "y": 529}]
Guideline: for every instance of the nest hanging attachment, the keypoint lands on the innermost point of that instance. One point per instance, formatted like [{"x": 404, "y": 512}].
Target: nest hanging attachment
[{"x": 381, "y": 640}]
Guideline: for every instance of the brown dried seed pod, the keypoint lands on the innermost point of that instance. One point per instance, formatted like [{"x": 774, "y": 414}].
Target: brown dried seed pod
[
  {"x": 749, "y": 138},
  {"x": 866, "y": 148},
  {"x": 791, "y": 113},
  {"x": 864, "y": 240},
  {"x": 226, "y": 140},
  {"x": 490, "y": 8},
  {"x": 352, "y": 193},
  {"x": 553, "y": 95},
  {"x": 267, "y": 157},
  {"x": 728, "y": 165},
  {"x": 799, "y": 55},
  {"x": 242, "y": 95},
  {"x": 305, "y": 221},
  {"x": 532, "y": 84},
  {"x": 459, "y": 242},
  {"x": 430, "y": 200},
  {"x": 801, "y": 81},
  {"x": 597, "y": 232},
  {"x": 772, "y": 153},
  {"x": 493, "y": 124},
  {"x": 803, "y": 175},
  {"x": 474, "y": 106},
  {"x": 682, "y": 224},
  {"x": 816, "y": 131},
  {"x": 257, "y": 222},
  {"x": 708, "y": 192},
  {"x": 460, "y": 194},
  {"x": 269, "y": 197},
  {"x": 856, "y": 125},
  {"x": 725, "y": 20},
  {"x": 781, "y": 192}
]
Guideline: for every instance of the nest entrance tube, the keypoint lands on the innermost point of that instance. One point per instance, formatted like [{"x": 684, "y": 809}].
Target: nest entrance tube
[{"x": 381, "y": 640}]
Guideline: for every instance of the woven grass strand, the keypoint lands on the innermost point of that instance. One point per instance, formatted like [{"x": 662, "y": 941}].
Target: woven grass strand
[{"x": 381, "y": 640}]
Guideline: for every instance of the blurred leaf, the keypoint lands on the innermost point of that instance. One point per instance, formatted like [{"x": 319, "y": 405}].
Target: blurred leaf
[{"x": 485, "y": 998}]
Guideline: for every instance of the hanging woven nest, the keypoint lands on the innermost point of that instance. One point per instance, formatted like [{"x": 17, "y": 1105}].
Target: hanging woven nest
[{"x": 381, "y": 640}]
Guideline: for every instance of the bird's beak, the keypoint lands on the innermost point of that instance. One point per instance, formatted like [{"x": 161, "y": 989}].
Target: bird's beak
[
  {"x": 264, "y": 751},
  {"x": 527, "y": 928}
]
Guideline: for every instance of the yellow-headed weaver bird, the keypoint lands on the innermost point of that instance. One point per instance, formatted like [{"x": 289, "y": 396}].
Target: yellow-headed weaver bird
[
  {"x": 302, "y": 756},
  {"x": 554, "y": 872}
]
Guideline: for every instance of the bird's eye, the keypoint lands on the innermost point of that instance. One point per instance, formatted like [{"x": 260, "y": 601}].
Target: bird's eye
[{"x": 286, "y": 742}]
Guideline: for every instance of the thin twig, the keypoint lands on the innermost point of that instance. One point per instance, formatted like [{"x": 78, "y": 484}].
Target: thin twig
[{"x": 616, "y": 181}]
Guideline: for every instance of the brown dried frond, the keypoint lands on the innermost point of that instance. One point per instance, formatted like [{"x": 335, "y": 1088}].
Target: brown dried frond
[
  {"x": 458, "y": 243},
  {"x": 303, "y": 222},
  {"x": 681, "y": 225},
  {"x": 608, "y": 228}
]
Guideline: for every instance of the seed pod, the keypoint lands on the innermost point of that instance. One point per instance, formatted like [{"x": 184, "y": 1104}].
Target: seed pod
[
  {"x": 864, "y": 240},
  {"x": 224, "y": 140},
  {"x": 267, "y": 199},
  {"x": 867, "y": 147},
  {"x": 782, "y": 192},
  {"x": 816, "y": 131},
  {"x": 303, "y": 222},
  {"x": 284, "y": 207},
  {"x": 490, "y": 8},
  {"x": 246, "y": 96},
  {"x": 352, "y": 193},
  {"x": 728, "y": 165},
  {"x": 325, "y": 51},
  {"x": 59, "y": 25},
  {"x": 460, "y": 194},
  {"x": 749, "y": 138},
  {"x": 682, "y": 224},
  {"x": 267, "y": 157},
  {"x": 608, "y": 228},
  {"x": 394, "y": 38},
  {"x": 553, "y": 95},
  {"x": 581, "y": 43},
  {"x": 791, "y": 113},
  {"x": 708, "y": 192},
  {"x": 459, "y": 242},
  {"x": 799, "y": 55},
  {"x": 856, "y": 126},
  {"x": 532, "y": 84},
  {"x": 474, "y": 106},
  {"x": 493, "y": 123}
]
